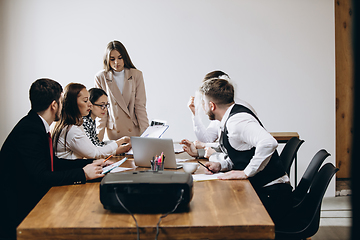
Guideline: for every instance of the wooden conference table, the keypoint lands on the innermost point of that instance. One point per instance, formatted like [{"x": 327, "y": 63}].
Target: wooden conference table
[{"x": 220, "y": 209}]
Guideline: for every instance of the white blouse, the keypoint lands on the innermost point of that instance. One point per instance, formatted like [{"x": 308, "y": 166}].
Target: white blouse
[
  {"x": 78, "y": 145},
  {"x": 119, "y": 78},
  {"x": 210, "y": 134}
]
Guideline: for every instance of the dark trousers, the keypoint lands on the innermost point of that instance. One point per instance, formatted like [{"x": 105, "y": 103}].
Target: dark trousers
[{"x": 277, "y": 200}]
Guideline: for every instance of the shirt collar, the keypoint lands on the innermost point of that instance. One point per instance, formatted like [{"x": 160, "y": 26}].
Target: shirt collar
[
  {"x": 225, "y": 117},
  {"x": 47, "y": 127},
  {"x": 117, "y": 74}
]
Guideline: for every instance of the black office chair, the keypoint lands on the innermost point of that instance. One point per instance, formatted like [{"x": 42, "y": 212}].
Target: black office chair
[
  {"x": 303, "y": 187},
  {"x": 303, "y": 221},
  {"x": 288, "y": 153}
]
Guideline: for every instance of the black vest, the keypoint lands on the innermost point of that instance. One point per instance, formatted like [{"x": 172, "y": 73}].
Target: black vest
[{"x": 241, "y": 159}]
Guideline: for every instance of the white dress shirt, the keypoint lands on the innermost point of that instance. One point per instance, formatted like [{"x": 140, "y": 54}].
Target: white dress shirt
[
  {"x": 244, "y": 133},
  {"x": 78, "y": 145},
  {"x": 210, "y": 134},
  {"x": 47, "y": 127},
  {"x": 206, "y": 134}
]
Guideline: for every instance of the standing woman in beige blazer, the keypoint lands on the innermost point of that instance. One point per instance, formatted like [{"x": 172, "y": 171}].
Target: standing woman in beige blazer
[{"x": 125, "y": 87}]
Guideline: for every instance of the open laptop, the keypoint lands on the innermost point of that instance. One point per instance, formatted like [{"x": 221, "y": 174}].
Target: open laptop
[{"x": 145, "y": 148}]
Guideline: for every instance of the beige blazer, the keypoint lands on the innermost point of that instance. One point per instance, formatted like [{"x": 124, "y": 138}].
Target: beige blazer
[{"x": 127, "y": 113}]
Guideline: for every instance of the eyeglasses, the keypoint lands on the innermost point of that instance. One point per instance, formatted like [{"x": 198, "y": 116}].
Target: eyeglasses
[{"x": 102, "y": 106}]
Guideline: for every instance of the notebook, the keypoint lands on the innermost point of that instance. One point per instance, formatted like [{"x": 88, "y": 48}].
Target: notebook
[{"x": 145, "y": 148}]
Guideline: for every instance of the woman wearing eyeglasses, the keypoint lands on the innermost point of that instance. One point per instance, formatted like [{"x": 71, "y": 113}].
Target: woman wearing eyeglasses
[
  {"x": 100, "y": 104},
  {"x": 69, "y": 137},
  {"x": 125, "y": 87}
]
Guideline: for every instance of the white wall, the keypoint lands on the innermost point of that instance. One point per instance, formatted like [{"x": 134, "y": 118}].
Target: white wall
[{"x": 280, "y": 53}]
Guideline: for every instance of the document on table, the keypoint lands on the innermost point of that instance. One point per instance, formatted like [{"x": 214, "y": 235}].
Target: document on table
[
  {"x": 205, "y": 177},
  {"x": 120, "y": 169},
  {"x": 112, "y": 166},
  {"x": 181, "y": 161},
  {"x": 178, "y": 148}
]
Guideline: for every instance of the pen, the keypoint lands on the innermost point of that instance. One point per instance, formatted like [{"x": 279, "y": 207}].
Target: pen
[
  {"x": 160, "y": 158},
  {"x": 205, "y": 167},
  {"x": 152, "y": 164},
  {"x": 108, "y": 158}
]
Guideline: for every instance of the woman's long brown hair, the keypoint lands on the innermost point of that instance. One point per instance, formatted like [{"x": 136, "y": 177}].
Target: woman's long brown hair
[
  {"x": 70, "y": 113},
  {"x": 118, "y": 46}
]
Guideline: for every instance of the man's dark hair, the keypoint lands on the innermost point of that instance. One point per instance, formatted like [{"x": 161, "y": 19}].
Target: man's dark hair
[
  {"x": 219, "y": 91},
  {"x": 43, "y": 92}
]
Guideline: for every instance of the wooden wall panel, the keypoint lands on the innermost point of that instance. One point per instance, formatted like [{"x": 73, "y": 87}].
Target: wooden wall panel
[{"x": 344, "y": 85}]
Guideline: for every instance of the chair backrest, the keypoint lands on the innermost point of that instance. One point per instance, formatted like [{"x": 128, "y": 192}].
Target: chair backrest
[
  {"x": 288, "y": 153},
  {"x": 304, "y": 185},
  {"x": 305, "y": 218},
  {"x": 313, "y": 199}
]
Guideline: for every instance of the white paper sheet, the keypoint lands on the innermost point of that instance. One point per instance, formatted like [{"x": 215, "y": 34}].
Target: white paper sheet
[
  {"x": 120, "y": 169},
  {"x": 205, "y": 177},
  {"x": 113, "y": 166}
]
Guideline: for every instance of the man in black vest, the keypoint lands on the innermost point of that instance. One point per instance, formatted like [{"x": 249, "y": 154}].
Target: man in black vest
[
  {"x": 28, "y": 165},
  {"x": 248, "y": 151}
]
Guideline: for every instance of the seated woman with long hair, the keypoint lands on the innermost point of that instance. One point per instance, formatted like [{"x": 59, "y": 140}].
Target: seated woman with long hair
[{"x": 69, "y": 138}]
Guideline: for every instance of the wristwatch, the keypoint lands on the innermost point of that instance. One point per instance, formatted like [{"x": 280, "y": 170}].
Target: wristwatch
[{"x": 201, "y": 153}]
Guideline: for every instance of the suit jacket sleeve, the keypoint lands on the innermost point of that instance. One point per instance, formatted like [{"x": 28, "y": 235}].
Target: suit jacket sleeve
[
  {"x": 140, "y": 104},
  {"x": 61, "y": 164},
  {"x": 81, "y": 145},
  {"x": 36, "y": 161}
]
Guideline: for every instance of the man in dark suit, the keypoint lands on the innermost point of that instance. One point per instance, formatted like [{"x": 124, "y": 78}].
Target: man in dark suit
[{"x": 28, "y": 166}]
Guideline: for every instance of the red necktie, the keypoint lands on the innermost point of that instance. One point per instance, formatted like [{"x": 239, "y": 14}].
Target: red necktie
[{"x": 51, "y": 152}]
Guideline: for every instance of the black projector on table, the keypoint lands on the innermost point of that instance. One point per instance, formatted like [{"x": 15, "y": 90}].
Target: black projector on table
[{"x": 146, "y": 191}]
